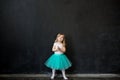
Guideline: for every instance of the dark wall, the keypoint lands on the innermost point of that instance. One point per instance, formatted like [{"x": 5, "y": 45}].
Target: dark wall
[{"x": 28, "y": 29}]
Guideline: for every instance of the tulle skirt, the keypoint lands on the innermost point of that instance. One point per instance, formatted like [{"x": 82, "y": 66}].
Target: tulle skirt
[{"x": 58, "y": 62}]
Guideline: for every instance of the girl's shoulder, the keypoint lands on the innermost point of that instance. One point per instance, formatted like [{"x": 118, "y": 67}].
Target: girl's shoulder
[{"x": 57, "y": 43}]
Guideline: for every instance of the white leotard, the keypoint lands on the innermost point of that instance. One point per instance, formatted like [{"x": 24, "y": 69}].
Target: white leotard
[{"x": 57, "y": 44}]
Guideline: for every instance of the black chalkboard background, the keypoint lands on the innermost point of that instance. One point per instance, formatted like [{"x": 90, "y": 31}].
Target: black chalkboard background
[{"x": 28, "y": 29}]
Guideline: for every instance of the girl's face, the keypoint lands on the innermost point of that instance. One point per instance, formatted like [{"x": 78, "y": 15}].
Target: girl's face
[{"x": 60, "y": 38}]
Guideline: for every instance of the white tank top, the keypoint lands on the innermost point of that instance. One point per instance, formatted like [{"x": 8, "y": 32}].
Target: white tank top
[{"x": 57, "y": 44}]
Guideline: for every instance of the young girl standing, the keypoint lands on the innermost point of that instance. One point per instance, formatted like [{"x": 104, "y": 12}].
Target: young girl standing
[{"x": 58, "y": 60}]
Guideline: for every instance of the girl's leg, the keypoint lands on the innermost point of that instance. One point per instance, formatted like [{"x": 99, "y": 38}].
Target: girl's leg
[
  {"x": 53, "y": 74},
  {"x": 63, "y": 73}
]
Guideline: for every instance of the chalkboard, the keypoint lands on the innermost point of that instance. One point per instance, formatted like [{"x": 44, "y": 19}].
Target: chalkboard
[{"x": 28, "y": 29}]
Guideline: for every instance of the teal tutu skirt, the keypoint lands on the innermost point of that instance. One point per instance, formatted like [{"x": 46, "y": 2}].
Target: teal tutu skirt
[{"x": 58, "y": 62}]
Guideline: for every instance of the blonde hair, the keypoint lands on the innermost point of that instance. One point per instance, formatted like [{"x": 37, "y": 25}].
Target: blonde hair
[{"x": 63, "y": 42}]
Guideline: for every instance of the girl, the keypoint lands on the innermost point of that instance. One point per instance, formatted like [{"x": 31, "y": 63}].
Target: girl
[{"x": 58, "y": 60}]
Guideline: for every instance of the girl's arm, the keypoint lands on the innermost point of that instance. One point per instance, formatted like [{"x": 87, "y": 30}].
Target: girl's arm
[
  {"x": 62, "y": 49},
  {"x": 54, "y": 48}
]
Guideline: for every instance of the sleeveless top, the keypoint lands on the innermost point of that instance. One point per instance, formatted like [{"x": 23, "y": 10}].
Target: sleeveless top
[{"x": 60, "y": 45}]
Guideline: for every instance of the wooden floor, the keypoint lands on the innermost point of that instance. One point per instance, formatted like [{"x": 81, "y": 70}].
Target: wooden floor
[
  {"x": 59, "y": 77},
  {"x": 75, "y": 78}
]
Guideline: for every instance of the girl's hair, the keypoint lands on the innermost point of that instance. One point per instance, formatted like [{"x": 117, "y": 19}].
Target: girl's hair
[{"x": 63, "y": 42}]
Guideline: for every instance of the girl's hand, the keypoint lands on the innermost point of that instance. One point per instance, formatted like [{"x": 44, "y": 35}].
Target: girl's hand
[
  {"x": 59, "y": 48},
  {"x": 55, "y": 48},
  {"x": 62, "y": 49}
]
